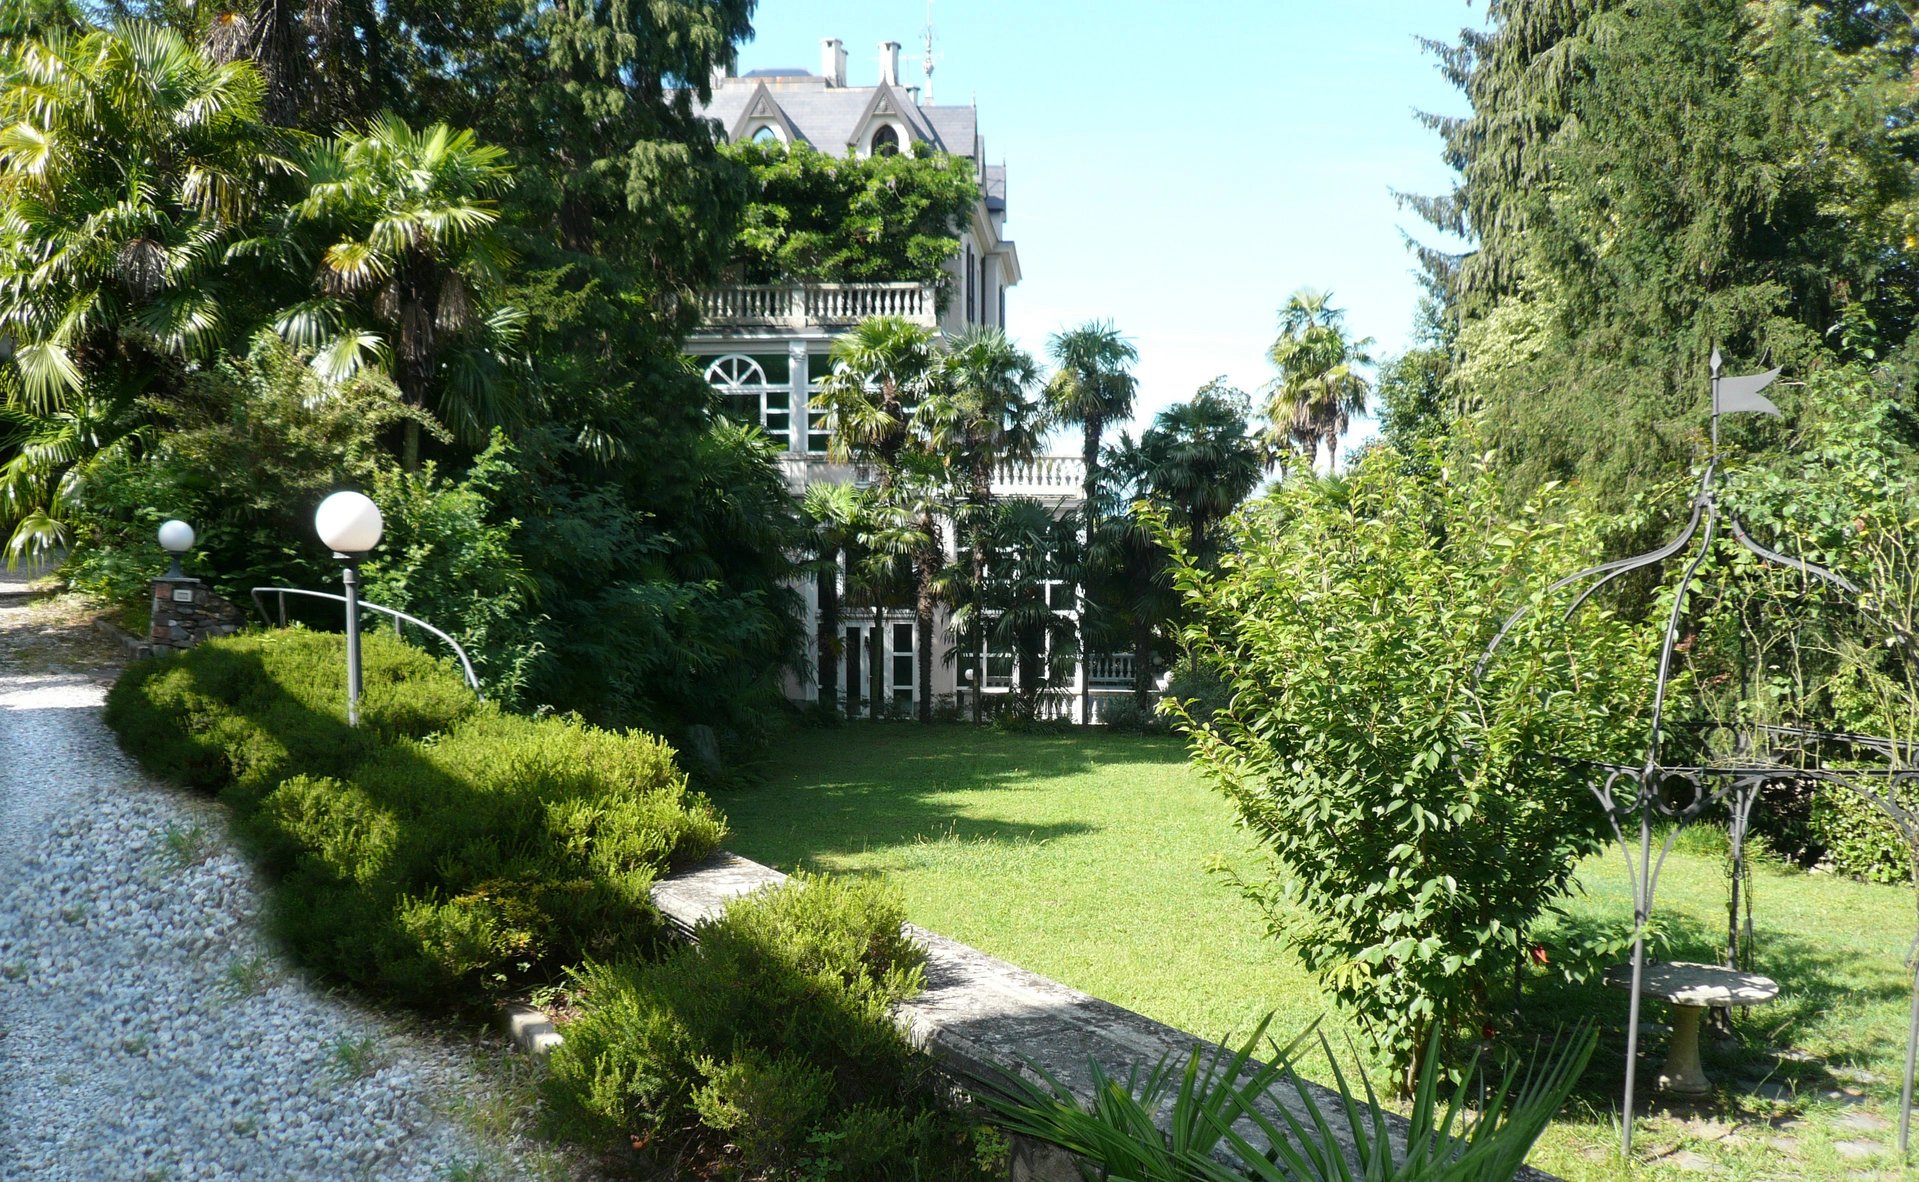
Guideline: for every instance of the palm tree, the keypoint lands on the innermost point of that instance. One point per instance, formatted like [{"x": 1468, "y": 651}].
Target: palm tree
[
  {"x": 406, "y": 278},
  {"x": 1319, "y": 388},
  {"x": 1193, "y": 466},
  {"x": 982, "y": 416},
  {"x": 1031, "y": 551},
  {"x": 130, "y": 164},
  {"x": 838, "y": 515},
  {"x": 882, "y": 371},
  {"x": 1201, "y": 462},
  {"x": 1093, "y": 387},
  {"x": 882, "y": 574}
]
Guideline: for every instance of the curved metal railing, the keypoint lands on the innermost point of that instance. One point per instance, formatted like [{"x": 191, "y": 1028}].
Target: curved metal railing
[{"x": 398, "y": 618}]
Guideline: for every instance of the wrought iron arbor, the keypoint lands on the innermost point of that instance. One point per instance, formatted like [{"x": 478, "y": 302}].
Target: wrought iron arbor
[{"x": 1641, "y": 797}]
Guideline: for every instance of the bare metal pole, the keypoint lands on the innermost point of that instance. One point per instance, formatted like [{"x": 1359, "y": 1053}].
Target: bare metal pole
[
  {"x": 1912, "y": 1062},
  {"x": 1640, "y": 914},
  {"x": 351, "y": 578}
]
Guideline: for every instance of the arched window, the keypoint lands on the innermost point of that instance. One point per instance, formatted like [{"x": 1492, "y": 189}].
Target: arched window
[
  {"x": 885, "y": 142},
  {"x": 766, "y": 135},
  {"x": 741, "y": 384}
]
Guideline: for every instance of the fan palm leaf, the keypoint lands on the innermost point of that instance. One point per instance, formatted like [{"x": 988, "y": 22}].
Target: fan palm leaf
[
  {"x": 1319, "y": 387},
  {"x": 409, "y": 271}
]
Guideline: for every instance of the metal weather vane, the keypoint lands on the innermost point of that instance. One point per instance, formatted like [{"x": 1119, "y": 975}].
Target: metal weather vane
[{"x": 1638, "y": 796}]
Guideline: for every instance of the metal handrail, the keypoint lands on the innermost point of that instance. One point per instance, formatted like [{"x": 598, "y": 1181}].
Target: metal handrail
[{"x": 398, "y": 616}]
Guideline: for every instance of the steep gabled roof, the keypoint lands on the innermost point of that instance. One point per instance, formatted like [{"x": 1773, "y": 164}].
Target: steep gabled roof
[
  {"x": 886, "y": 104},
  {"x": 832, "y": 117},
  {"x": 762, "y": 106}
]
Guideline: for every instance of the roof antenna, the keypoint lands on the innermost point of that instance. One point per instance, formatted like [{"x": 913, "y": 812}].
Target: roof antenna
[{"x": 930, "y": 60}]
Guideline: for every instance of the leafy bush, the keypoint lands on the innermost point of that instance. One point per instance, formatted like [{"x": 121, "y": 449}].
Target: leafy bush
[
  {"x": 244, "y": 455},
  {"x": 772, "y": 1035},
  {"x": 1199, "y": 687},
  {"x": 1126, "y": 716},
  {"x": 818, "y": 218},
  {"x": 442, "y": 850},
  {"x": 1117, "y": 1135},
  {"x": 1858, "y": 839},
  {"x": 1420, "y": 821}
]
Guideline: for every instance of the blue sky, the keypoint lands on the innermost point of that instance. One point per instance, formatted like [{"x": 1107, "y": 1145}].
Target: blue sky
[{"x": 1179, "y": 169}]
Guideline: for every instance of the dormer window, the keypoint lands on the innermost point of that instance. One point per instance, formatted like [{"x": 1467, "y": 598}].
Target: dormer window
[{"x": 886, "y": 141}]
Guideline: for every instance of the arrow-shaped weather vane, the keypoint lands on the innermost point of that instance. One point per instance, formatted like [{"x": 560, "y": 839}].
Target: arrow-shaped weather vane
[{"x": 1741, "y": 395}]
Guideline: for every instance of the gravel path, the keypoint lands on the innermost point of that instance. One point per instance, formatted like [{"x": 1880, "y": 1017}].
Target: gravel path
[{"x": 147, "y": 1030}]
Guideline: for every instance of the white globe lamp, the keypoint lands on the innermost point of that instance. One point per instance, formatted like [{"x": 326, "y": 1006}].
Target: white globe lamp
[
  {"x": 176, "y": 538},
  {"x": 349, "y": 523}
]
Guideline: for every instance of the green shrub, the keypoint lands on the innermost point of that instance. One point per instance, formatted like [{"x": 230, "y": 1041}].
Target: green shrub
[
  {"x": 442, "y": 850},
  {"x": 1420, "y": 820},
  {"x": 1858, "y": 839},
  {"x": 1125, "y": 716},
  {"x": 1199, "y": 686},
  {"x": 772, "y": 1034}
]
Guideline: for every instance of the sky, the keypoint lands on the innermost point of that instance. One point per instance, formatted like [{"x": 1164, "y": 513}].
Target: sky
[{"x": 1179, "y": 168}]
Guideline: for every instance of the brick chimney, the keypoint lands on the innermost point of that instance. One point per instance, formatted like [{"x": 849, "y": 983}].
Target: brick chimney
[
  {"x": 890, "y": 63},
  {"x": 833, "y": 61}
]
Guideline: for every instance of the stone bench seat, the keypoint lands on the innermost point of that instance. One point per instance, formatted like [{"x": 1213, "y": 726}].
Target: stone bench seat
[{"x": 1691, "y": 988}]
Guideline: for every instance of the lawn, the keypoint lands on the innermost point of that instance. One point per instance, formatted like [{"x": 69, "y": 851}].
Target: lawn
[
  {"x": 1097, "y": 861},
  {"x": 1088, "y": 862}
]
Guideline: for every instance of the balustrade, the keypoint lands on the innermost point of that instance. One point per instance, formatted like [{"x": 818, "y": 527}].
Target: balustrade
[
  {"x": 817, "y": 304},
  {"x": 1051, "y": 473}
]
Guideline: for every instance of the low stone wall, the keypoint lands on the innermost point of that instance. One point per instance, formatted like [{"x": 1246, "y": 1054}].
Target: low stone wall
[
  {"x": 186, "y": 611},
  {"x": 978, "y": 1013}
]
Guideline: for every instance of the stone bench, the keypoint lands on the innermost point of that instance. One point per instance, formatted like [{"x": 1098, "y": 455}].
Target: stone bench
[
  {"x": 979, "y": 1013},
  {"x": 1691, "y": 988}
]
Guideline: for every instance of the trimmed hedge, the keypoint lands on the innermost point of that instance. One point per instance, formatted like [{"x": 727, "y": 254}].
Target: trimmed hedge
[
  {"x": 769, "y": 1046},
  {"x": 443, "y": 851}
]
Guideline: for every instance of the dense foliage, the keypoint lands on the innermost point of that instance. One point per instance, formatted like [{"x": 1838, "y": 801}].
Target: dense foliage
[
  {"x": 443, "y": 851},
  {"x": 1638, "y": 183},
  {"x": 770, "y": 1045},
  {"x": 1420, "y": 819},
  {"x": 815, "y": 218},
  {"x": 485, "y": 332}
]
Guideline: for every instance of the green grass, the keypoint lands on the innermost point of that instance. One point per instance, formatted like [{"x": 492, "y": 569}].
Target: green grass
[
  {"x": 1085, "y": 861},
  {"x": 1090, "y": 860}
]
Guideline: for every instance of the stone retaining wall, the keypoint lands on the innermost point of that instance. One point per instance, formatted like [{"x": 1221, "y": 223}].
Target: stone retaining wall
[{"x": 978, "y": 1012}]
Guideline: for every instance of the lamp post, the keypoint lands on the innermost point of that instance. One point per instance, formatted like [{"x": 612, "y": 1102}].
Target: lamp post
[
  {"x": 176, "y": 538},
  {"x": 349, "y": 523}
]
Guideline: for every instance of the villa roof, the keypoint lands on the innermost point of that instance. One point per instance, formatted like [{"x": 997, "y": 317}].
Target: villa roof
[{"x": 828, "y": 118}]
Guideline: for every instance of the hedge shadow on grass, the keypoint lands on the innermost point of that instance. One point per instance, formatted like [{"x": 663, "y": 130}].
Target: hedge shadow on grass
[
  {"x": 442, "y": 853},
  {"x": 895, "y": 789}
]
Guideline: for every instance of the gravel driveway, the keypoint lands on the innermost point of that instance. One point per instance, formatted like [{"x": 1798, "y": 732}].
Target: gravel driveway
[{"x": 147, "y": 1029}]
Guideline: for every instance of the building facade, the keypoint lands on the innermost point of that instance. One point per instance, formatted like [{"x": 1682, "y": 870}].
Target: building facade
[{"x": 765, "y": 348}]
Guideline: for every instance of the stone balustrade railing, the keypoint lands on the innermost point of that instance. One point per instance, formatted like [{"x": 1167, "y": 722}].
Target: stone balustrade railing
[
  {"x": 1044, "y": 475},
  {"x": 817, "y": 304}
]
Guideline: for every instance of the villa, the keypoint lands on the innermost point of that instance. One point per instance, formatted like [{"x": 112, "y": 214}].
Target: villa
[{"x": 765, "y": 347}]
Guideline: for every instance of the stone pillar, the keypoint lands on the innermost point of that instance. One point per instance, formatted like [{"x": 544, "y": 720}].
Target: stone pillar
[
  {"x": 185, "y": 612},
  {"x": 798, "y": 367}
]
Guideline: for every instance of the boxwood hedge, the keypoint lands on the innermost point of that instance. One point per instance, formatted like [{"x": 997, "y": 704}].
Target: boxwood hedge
[{"x": 443, "y": 851}]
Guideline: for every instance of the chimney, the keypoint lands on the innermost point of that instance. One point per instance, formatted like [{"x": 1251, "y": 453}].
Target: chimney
[
  {"x": 722, "y": 70},
  {"x": 833, "y": 61},
  {"x": 889, "y": 63},
  {"x": 913, "y": 95}
]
